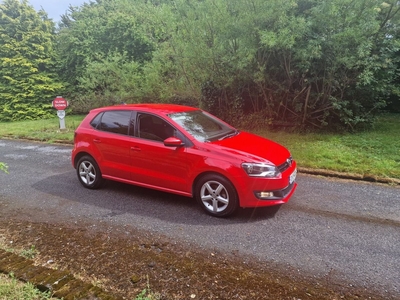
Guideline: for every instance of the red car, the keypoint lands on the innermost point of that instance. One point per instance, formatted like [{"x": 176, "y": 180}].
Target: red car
[{"x": 185, "y": 151}]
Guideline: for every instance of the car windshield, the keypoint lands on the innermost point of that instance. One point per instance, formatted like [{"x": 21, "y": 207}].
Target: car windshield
[{"x": 202, "y": 126}]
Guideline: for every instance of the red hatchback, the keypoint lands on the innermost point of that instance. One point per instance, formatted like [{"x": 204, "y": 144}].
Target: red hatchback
[{"x": 183, "y": 150}]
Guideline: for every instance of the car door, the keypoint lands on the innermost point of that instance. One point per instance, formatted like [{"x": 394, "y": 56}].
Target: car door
[
  {"x": 113, "y": 142},
  {"x": 158, "y": 165}
]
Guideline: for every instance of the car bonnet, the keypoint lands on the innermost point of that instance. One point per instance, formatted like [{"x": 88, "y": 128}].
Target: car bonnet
[{"x": 253, "y": 148}]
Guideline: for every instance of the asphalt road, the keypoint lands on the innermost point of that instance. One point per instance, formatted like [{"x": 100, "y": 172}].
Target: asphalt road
[{"x": 331, "y": 229}]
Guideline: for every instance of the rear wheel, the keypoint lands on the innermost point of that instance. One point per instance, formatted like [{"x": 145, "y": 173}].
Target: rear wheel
[
  {"x": 216, "y": 195},
  {"x": 89, "y": 173}
]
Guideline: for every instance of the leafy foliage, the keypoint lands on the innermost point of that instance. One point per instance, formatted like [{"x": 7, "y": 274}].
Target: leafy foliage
[
  {"x": 28, "y": 81},
  {"x": 309, "y": 63},
  {"x": 322, "y": 64},
  {"x": 12, "y": 288},
  {"x": 100, "y": 44}
]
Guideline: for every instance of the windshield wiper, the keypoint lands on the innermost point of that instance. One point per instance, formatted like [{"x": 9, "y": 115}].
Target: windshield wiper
[{"x": 236, "y": 132}]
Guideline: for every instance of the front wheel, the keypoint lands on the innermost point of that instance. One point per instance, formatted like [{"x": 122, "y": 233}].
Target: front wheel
[
  {"x": 216, "y": 195},
  {"x": 89, "y": 173}
]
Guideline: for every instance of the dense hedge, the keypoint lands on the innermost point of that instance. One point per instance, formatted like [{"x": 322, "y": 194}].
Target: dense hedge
[{"x": 321, "y": 64}]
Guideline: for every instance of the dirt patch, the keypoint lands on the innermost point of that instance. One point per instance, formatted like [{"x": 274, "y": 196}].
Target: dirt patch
[{"x": 125, "y": 262}]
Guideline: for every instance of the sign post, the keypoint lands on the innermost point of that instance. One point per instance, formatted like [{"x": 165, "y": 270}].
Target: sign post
[{"x": 60, "y": 104}]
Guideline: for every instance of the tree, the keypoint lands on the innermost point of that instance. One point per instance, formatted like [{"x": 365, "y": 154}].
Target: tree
[
  {"x": 111, "y": 80},
  {"x": 347, "y": 60},
  {"x": 235, "y": 53},
  {"x": 28, "y": 81},
  {"x": 322, "y": 64},
  {"x": 101, "y": 32},
  {"x": 305, "y": 62}
]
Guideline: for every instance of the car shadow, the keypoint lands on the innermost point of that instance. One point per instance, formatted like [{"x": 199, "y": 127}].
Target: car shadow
[{"x": 120, "y": 199}]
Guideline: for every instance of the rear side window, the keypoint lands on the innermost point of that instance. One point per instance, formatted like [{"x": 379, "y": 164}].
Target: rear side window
[
  {"x": 116, "y": 121},
  {"x": 96, "y": 121}
]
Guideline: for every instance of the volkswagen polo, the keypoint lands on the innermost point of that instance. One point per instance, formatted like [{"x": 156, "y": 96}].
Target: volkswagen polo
[{"x": 185, "y": 151}]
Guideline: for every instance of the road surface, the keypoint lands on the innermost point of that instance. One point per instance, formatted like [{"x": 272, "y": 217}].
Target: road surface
[{"x": 331, "y": 229}]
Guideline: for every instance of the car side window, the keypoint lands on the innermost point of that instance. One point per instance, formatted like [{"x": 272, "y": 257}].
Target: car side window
[
  {"x": 96, "y": 121},
  {"x": 116, "y": 121},
  {"x": 154, "y": 128}
]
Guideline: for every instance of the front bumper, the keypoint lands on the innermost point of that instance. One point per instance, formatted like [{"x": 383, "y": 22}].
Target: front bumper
[
  {"x": 275, "y": 195},
  {"x": 261, "y": 192}
]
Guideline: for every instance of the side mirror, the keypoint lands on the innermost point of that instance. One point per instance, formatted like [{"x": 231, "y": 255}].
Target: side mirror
[{"x": 173, "y": 142}]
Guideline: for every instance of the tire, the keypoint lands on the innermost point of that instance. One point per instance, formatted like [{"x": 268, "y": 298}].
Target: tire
[
  {"x": 216, "y": 195},
  {"x": 89, "y": 173}
]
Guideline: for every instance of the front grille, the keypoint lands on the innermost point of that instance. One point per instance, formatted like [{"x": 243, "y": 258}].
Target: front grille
[{"x": 286, "y": 165}]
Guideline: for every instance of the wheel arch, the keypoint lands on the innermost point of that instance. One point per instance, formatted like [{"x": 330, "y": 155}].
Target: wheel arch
[{"x": 79, "y": 155}]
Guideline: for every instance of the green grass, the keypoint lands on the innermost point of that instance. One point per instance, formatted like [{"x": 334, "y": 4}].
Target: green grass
[
  {"x": 13, "y": 289},
  {"x": 370, "y": 153},
  {"x": 42, "y": 130},
  {"x": 29, "y": 253}
]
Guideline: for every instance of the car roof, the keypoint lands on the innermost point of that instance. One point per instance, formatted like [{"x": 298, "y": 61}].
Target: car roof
[{"x": 160, "y": 108}]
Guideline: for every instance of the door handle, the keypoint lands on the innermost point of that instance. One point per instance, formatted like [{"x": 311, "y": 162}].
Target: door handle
[
  {"x": 135, "y": 148},
  {"x": 97, "y": 141}
]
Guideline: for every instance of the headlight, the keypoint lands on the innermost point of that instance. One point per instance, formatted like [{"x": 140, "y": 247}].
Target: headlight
[{"x": 260, "y": 170}]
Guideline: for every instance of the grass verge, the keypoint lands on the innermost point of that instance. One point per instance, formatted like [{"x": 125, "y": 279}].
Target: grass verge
[
  {"x": 47, "y": 130},
  {"x": 373, "y": 153}
]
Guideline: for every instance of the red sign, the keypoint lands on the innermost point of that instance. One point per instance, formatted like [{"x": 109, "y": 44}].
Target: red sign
[{"x": 60, "y": 103}]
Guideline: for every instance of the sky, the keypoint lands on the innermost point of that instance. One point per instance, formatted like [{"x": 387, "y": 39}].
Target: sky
[{"x": 55, "y": 8}]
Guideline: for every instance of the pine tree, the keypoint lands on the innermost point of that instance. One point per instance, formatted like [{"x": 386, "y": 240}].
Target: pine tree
[{"x": 28, "y": 81}]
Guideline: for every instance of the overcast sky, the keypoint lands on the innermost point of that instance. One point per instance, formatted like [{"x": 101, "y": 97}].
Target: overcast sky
[{"x": 55, "y": 8}]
